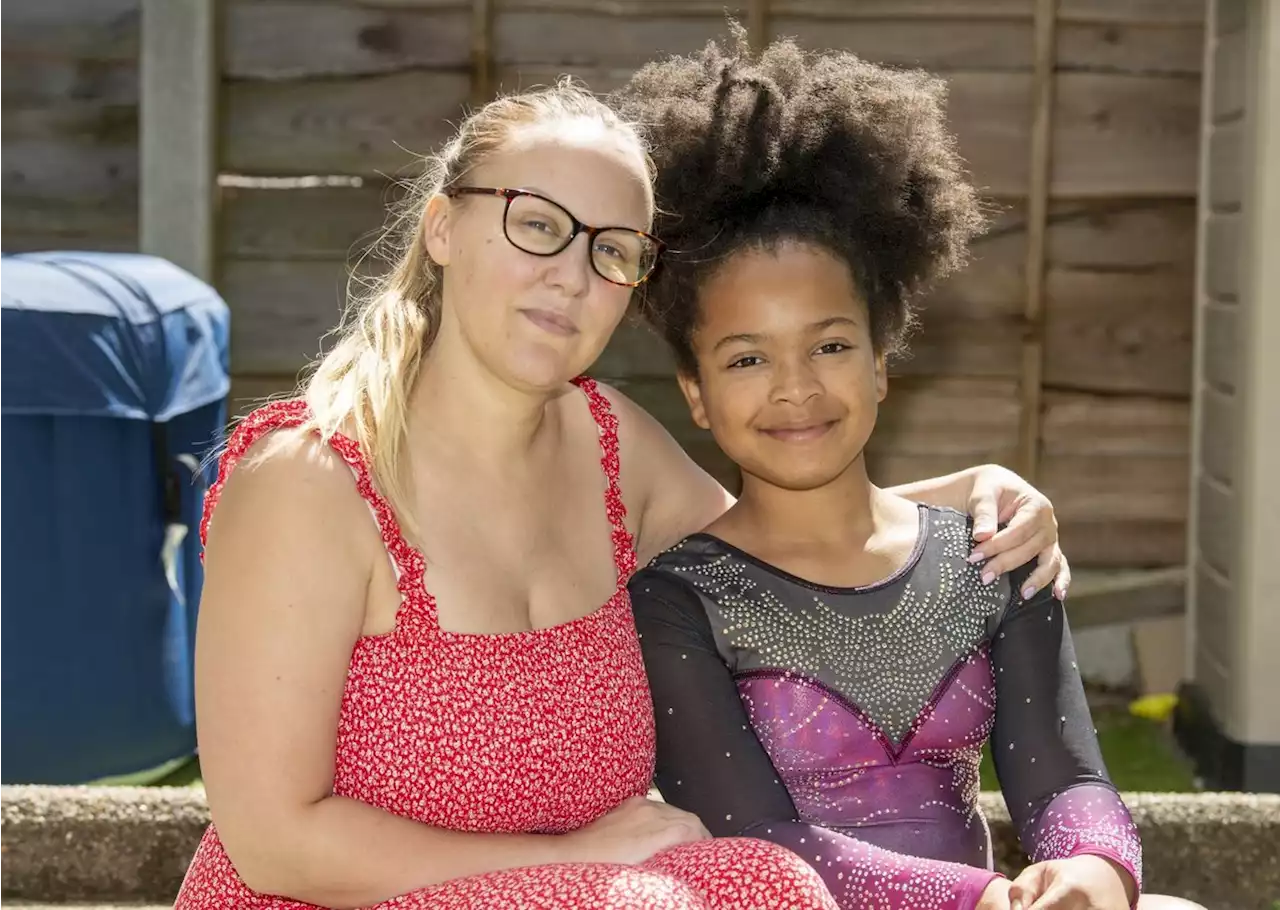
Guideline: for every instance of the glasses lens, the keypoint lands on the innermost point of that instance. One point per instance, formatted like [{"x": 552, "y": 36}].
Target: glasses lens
[
  {"x": 623, "y": 257},
  {"x": 538, "y": 226}
]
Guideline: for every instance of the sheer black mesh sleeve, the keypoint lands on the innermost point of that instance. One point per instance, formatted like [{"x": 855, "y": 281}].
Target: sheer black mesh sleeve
[
  {"x": 1044, "y": 744},
  {"x": 710, "y": 763}
]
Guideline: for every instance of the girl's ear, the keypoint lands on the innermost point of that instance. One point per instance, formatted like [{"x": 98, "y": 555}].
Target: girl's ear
[{"x": 693, "y": 396}]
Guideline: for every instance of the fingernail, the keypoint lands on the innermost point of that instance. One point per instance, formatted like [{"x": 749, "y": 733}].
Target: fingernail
[
  {"x": 1027, "y": 592},
  {"x": 988, "y": 577},
  {"x": 976, "y": 556},
  {"x": 1015, "y": 904}
]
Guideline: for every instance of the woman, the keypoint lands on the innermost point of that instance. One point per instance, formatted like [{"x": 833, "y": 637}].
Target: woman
[
  {"x": 825, "y": 659},
  {"x": 446, "y": 706}
]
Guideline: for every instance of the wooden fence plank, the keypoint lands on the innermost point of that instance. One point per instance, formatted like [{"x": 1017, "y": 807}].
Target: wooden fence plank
[
  {"x": 940, "y": 45},
  {"x": 1119, "y": 332},
  {"x": 41, "y": 223},
  {"x": 278, "y": 39},
  {"x": 81, "y": 84},
  {"x": 370, "y": 126},
  {"x": 82, "y": 29},
  {"x": 1157, "y": 12},
  {"x": 1131, "y": 48},
  {"x": 1118, "y": 301},
  {"x": 1114, "y": 135},
  {"x": 1081, "y": 424},
  {"x": 280, "y": 311},
  {"x": 1122, "y": 235},
  {"x": 946, "y": 45},
  {"x": 324, "y": 222},
  {"x": 1125, "y": 135},
  {"x": 86, "y": 171}
]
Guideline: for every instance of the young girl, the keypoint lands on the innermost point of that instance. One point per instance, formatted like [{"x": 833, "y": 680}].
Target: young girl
[{"x": 826, "y": 659}]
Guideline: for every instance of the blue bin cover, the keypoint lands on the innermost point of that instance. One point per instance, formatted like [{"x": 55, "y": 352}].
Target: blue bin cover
[{"x": 113, "y": 382}]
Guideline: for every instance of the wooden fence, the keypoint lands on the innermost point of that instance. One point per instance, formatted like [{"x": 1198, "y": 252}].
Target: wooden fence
[{"x": 1064, "y": 350}]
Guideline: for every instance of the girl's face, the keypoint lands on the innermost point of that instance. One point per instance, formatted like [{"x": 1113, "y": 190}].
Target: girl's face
[
  {"x": 537, "y": 321},
  {"x": 788, "y": 380}
]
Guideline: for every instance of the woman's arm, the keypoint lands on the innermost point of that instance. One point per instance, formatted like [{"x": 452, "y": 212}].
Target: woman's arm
[
  {"x": 288, "y": 562},
  {"x": 1046, "y": 749},
  {"x": 710, "y": 763}
]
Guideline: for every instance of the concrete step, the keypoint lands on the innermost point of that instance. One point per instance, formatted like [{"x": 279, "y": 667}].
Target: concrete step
[{"x": 100, "y": 847}]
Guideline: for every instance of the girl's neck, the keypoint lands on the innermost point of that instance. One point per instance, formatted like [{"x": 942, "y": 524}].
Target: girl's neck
[
  {"x": 840, "y": 513},
  {"x": 847, "y": 533}
]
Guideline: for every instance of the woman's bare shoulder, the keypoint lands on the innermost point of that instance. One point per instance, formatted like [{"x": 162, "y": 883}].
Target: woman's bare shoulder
[{"x": 671, "y": 495}]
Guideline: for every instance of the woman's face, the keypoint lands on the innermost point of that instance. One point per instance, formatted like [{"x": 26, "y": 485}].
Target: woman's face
[
  {"x": 788, "y": 380},
  {"x": 537, "y": 321}
]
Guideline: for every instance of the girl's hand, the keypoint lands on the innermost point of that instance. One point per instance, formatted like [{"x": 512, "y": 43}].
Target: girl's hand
[
  {"x": 1078, "y": 883},
  {"x": 1000, "y": 496}
]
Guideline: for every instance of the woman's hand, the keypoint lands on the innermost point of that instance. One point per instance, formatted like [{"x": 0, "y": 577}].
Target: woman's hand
[
  {"x": 634, "y": 832},
  {"x": 1078, "y": 883},
  {"x": 998, "y": 496}
]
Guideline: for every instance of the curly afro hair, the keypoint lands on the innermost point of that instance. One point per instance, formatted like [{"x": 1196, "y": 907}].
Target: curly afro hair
[{"x": 820, "y": 148}]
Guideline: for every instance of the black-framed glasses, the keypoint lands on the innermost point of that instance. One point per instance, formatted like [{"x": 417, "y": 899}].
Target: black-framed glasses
[{"x": 540, "y": 227}]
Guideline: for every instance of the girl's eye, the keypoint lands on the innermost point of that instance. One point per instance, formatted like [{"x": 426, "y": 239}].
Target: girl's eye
[
  {"x": 750, "y": 360},
  {"x": 832, "y": 347}
]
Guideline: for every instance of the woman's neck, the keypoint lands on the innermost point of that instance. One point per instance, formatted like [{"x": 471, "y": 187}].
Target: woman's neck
[{"x": 461, "y": 410}]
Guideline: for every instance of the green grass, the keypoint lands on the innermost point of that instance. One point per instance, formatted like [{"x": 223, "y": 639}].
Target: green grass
[
  {"x": 1138, "y": 753},
  {"x": 185, "y": 772}
]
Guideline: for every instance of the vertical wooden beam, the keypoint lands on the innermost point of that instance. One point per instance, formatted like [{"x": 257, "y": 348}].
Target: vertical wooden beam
[
  {"x": 178, "y": 125},
  {"x": 758, "y": 24},
  {"x": 481, "y": 52},
  {"x": 1037, "y": 223},
  {"x": 1203, "y": 208}
]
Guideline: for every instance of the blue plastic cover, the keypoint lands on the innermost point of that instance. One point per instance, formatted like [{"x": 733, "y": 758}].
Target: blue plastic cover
[
  {"x": 109, "y": 335},
  {"x": 114, "y": 377}
]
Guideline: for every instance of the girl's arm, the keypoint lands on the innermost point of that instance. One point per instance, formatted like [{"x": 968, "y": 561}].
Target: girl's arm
[
  {"x": 710, "y": 763},
  {"x": 671, "y": 498},
  {"x": 1045, "y": 747}
]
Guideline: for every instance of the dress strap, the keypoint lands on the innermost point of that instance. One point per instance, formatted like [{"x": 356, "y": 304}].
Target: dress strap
[
  {"x": 624, "y": 553},
  {"x": 409, "y": 564}
]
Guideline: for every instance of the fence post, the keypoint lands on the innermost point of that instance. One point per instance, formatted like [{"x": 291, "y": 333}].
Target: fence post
[
  {"x": 1037, "y": 222},
  {"x": 178, "y": 126},
  {"x": 758, "y": 24},
  {"x": 481, "y": 52}
]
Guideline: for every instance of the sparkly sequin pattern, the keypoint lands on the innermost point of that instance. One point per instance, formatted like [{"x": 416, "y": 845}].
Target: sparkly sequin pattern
[
  {"x": 870, "y": 706},
  {"x": 539, "y": 731}
]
